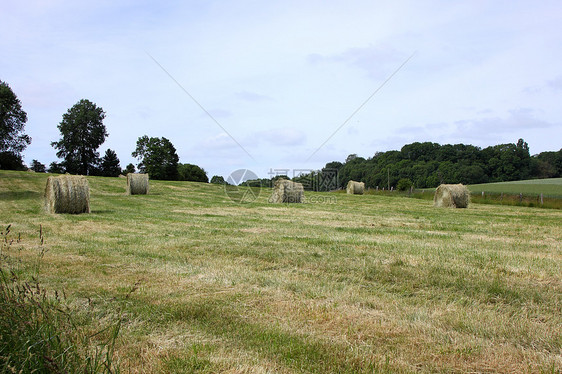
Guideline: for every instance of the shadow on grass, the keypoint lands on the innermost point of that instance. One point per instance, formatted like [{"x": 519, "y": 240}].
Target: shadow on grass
[
  {"x": 102, "y": 211},
  {"x": 20, "y": 195}
]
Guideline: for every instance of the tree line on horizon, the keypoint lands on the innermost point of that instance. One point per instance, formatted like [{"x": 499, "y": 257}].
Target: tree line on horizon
[
  {"x": 419, "y": 165},
  {"x": 427, "y": 165},
  {"x": 82, "y": 133}
]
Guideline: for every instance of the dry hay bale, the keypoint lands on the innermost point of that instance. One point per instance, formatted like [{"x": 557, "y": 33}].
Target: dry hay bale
[
  {"x": 67, "y": 194},
  {"x": 355, "y": 188},
  {"x": 285, "y": 191},
  {"x": 137, "y": 184},
  {"x": 451, "y": 196}
]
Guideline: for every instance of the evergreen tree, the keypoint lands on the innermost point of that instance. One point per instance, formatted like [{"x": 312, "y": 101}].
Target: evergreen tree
[
  {"x": 109, "y": 166},
  {"x": 56, "y": 168},
  {"x": 37, "y": 167},
  {"x": 129, "y": 169}
]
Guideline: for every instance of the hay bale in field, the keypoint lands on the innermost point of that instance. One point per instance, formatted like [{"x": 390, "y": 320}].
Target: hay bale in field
[
  {"x": 137, "y": 184},
  {"x": 355, "y": 188},
  {"x": 67, "y": 194},
  {"x": 285, "y": 191},
  {"x": 451, "y": 196}
]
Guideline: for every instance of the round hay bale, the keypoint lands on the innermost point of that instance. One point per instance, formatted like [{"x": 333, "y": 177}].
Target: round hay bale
[
  {"x": 67, "y": 194},
  {"x": 451, "y": 196},
  {"x": 355, "y": 188},
  {"x": 285, "y": 191},
  {"x": 137, "y": 184}
]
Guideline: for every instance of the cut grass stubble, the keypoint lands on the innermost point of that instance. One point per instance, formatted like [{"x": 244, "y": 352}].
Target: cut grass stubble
[{"x": 371, "y": 284}]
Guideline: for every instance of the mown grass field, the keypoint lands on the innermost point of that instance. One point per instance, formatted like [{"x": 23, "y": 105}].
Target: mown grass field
[{"x": 345, "y": 284}]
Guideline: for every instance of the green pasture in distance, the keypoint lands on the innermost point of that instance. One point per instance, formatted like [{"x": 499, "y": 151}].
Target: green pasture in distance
[{"x": 548, "y": 187}]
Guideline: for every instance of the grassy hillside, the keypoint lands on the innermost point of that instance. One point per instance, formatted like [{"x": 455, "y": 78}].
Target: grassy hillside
[
  {"x": 355, "y": 284},
  {"x": 551, "y": 187}
]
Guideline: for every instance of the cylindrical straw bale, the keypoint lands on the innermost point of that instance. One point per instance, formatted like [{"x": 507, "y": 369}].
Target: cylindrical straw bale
[
  {"x": 285, "y": 191},
  {"x": 137, "y": 184},
  {"x": 67, "y": 194},
  {"x": 451, "y": 196},
  {"x": 355, "y": 188}
]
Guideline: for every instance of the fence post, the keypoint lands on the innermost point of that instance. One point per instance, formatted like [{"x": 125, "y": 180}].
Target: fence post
[
  {"x": 541, "y": 199},
  {"x": 520, "y": 197}
]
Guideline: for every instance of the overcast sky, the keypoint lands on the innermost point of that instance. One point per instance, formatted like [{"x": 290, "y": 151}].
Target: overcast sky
[{"x": 267, "y": 84}]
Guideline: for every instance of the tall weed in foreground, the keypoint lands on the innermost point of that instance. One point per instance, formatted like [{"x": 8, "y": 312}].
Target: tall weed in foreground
[{"x": 39, "y": 332}]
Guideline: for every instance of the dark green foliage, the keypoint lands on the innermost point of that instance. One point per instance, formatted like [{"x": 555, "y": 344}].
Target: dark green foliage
[
  {"x": 56, "y": 168},
  {"x": 428, "y": 164},
  {"x": 82, "y": 132},
  {"x": 11, "y": 161},
  {"x": 189, "y": 172},
  {"x": 217, "y": 179},
  {"x": 109, "y": 166},
  {"x": 262, "y": 182},
  {"x": 548, "y": 164},
  {"x": 38, "y": 167},
  {"x": 404, "y": 184},
  {"x": 157, "y": 157},
  {"x": 129, "y": 169},
  {"x": 12, "y": 123}
]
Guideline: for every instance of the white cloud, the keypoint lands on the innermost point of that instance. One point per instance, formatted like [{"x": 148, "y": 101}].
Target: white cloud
[{"x": 219, "y": 141}]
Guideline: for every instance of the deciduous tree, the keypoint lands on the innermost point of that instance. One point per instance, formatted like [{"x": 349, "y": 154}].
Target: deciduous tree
[
  {"x": 157, "y": 157},
  {"x": 189, "y": 172},
  {"x": 82, "y": 132},
  {"x": 13, "y": 140},
  {"x": 217, "y": 179}
]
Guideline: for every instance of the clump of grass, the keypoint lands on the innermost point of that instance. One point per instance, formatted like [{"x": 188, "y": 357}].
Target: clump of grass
[{"x": 39, "y": 331}]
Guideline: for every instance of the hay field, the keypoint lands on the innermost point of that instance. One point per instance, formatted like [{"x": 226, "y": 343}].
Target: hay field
[{"x": 343, "y": 285}]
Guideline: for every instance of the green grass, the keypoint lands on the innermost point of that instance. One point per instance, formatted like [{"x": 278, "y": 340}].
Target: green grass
[
  {"x": 356, "y": 284},
  {"x": 520, "y": 193},
  {"x": 551, "y": 187},
  {"x": 39, "y": 332}
]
